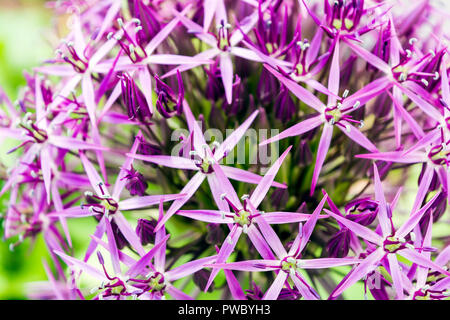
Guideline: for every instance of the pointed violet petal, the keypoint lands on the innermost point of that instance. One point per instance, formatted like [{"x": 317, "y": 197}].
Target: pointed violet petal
[
  {"x": 139, "y": 267},
  {"x": 147, "y": 201},
  {"x": 414, "y": 218},
  {"x": 382, "y": 215},
  {"x": 188, "y": 268},
  {"x": 274, "y": 291},
  {"x": 300, "y": 92},
  {"x": 225, "y": 251},
  {"x": 298, "y": 129},
  {"x": 247, "y": 176},
  {"x": 188, "y": 191},
  {"x": 263, "y": 187},
  {"x": 324, "y": 145},
  {"x": 210, "y": 216},
  {"x": 82, "y": 265},
  {"x": 360, "y": 230},
  {"x": 271, "y": 237},
  {"x": 259, "y": 242},
  {"x": 226, "y": 71},
  {"x": 365, "y": 267},
  {"x": 232, "y": 140},
  {"x": 166, "y": 161},
  {"x": 396, "y": 275},
  {"x": 310, "y": 224},
  {"x": 356, "y": 135}
]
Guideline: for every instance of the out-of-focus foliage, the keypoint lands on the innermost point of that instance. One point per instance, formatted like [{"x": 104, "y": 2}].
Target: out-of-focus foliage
[{"x": 23, "y": 26}]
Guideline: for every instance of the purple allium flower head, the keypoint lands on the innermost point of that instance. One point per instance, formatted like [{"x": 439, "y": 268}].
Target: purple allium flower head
[{"x": 359, "y": 93}]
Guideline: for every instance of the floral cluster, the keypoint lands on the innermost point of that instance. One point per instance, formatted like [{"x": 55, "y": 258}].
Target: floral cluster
[{"x": 96, "y": 127}]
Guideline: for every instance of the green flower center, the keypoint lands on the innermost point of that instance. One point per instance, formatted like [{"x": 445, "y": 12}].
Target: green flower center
[
  {"x": 337, "y": 23},
  {"x": 333, "y": 115},
  {"x": 156, "y": 284},
  {"x": 392, "y": 244},
  {"x": 287, "y": 265},
  {"x": 243, "y": 218},
  {"x": 110, "y": 205}
]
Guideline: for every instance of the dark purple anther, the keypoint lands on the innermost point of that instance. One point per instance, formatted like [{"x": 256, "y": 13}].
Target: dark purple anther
[
  {"x": 338, "y": 246},
  {"x": 135, "y": 100},
  {"x": 168, "y": 104},
  {"x": 147, "y": 15},
  {"x": 363, "y": 211},
  {"x": 136, "y": 183},
  {"x": 146, "y": 231}
]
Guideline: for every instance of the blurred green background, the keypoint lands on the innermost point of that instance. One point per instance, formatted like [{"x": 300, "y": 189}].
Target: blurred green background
[{"x": 24, "y": 33}]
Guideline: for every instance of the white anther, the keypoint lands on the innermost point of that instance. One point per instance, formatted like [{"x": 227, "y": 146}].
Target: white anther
[
  {"x": 361, "y": 124},
  {"x": 230, "y": 241},
  {"x": 348, "y": 128},
  {"x": 193, "y": 153},
  {"x": 137, "y": 29},
  {"x": 245, "y": 228},
  {"x": 69, "y": 44},
  {"x": 413, "y": 236},
  {"x": 100, "y": 297},
  {"x": 109, "y": 35},
  {"x": 410, "y": 246},
  {"x": 291, "y": 260},
  {"x": 245, "y": 196},
  {"x": 432, "y": 53},
  {"x": 227, "y": 26},
  {"x": 222, "y": 196},
  {"x": 91, "y": 209},
  {"x": 357, "y": 104},
  {"x": 345, "y": 94},
  {"x": 93, "y": 290},
  {"x": 436, "y": 75},
  {"x": 332, "y": 121},
  {"x": 136, "y": 21},
  {"x": 408, "y": 53},
  {"x": 20, "y": 237},
  {"x": 412, "y": 40},
  {"x": 118, "y": 36},
  {"x": 58, "y": 51},
  {"x": 425, "y": 82},
  {"x": 216, "y": 144},
  {"x": 222, "y": 213},
  {"x": 339, "y": 105},
  {"x": 120, "y": 22},
  {"x": 426, "y": 287},
  {"x": 88, "y": 193},
  {"x": 402, "y": 77}
]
